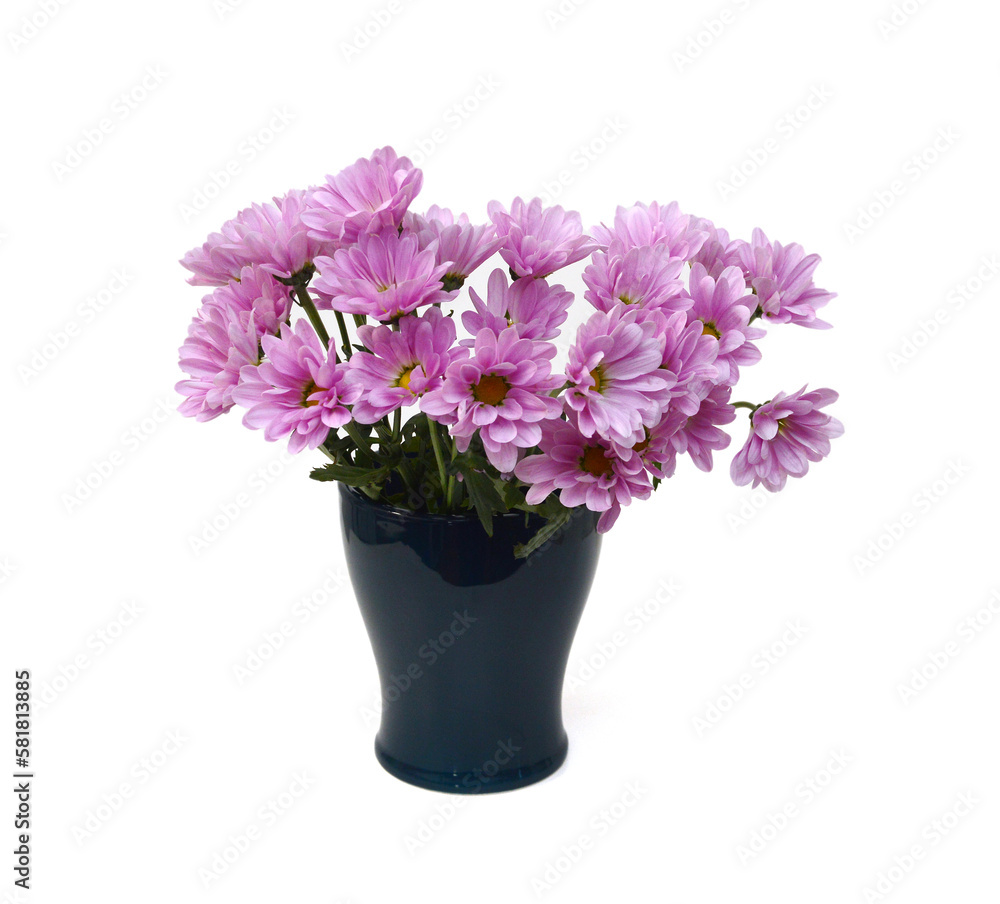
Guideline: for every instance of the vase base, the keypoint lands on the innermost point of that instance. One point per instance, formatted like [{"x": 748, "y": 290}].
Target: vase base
[{"x": 471, "y": 782}]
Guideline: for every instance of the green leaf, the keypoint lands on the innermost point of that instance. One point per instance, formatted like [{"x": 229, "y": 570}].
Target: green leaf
[
  {"x": 545, "y": 533},
  {"x": 484, "y": 496},
  {"x": 349, "y": 474}
]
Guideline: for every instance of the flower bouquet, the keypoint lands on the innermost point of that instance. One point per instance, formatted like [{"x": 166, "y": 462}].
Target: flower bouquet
[
  {"x": 496, "y": 424},
  {"x": 472, "y": 527}
]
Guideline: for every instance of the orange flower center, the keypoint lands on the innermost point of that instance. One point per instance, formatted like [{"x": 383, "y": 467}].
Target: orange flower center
[
  {"x": 710, "y": 330},
  {"x": 490, "y": 390},
  {"x": 595, "y": 462}
]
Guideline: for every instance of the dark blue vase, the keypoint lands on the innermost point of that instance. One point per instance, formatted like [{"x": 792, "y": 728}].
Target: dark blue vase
[{"x": 471, "y": 643}]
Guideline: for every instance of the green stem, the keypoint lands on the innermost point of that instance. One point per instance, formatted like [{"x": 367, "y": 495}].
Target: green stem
[
  {"x": 302, "y": 293},
  {"x": 351, "y": 428},
  {"x": 438, "y": 455},
  {"x": 452, "y": 481},
  {"x": 397, "y": 424},
  {"x": 342, "y": 326},
  {"x": 748, "y": 405}
]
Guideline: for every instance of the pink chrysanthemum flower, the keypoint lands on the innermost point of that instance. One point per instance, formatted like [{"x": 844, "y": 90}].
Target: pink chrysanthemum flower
[
  {"x": 384, "y": 276},
  {"x": 724, "y": 308},
  {"x": 257, "y": 291},
  {"x": 539, "y": 240},
  {"x": 271, "y": 236},
  {"x": 367, "y": 196},
  {"x": 647, "y": 277},
  {"x": 402, "y": 365},
  {"x": 299, "y": 391},
  {"x": 220, "y": 341},
  {"x": 501, "y": 390},
  {"x": 688, "y": 363},
  {"x": 585, "y": 470},
  {"x": 642, "y": 225},
  {"x": 615, "y": 376},
  {"x": 224, "y": 336},
  {"x": 718, "y": 251},
  {"x": 460, "y": 245},
  {"x": 781, "y": 275},
  {"x": 699, "y": 435},
  {"x": 532, "y": 305},
  {"x": 785, "y": 435}
]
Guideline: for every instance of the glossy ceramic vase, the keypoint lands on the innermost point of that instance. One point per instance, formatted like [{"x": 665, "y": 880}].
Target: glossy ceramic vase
[{"x": 471, "y": 643}]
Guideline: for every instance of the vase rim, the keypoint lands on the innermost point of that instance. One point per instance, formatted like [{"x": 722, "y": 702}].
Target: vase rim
[{"x": 356, "y": 496}]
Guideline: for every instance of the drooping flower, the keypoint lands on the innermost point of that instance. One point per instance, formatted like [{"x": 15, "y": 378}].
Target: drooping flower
[
  {"x": 782, "y": 277},
  {"x": 501, "y": 390},
  {"x": 642, "y": 225},
  {"x": 459, "y": 244},
  {"x": 539, "y": 240},
  {"x": 699, "y": 435},
  {"x": 615, "y": 376},
  {"x": 371, "y": 194},
  {"x": 401, "y": 365},
  {"x": 224, "y": 336},
  {"x": 271, "y": 236},
  {"x": 532, "y": 305},
  {"x": 587, "y": 471},
  {"x": 299, "y": 391},
  {"x": 786, "y": 434},
  {"x": 724, "y": 308},
  {"x": 647, "y": 277},
  {"x": 384, "y": 276}
]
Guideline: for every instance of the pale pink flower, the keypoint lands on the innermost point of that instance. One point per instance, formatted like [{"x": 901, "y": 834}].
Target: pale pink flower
[{"x": 371, "y": 194}]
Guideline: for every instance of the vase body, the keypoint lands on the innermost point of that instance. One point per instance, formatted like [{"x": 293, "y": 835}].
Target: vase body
[{"x": 471, "y": 644}]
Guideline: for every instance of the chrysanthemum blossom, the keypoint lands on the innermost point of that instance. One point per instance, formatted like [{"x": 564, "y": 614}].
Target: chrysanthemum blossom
[
  {"x": 224, "y": 336},
  {"x": 539, "y": 240},
  {"x": 782, "y": 277},
  {"x": 642, "y": 225},
  {"x": 459, "y": 244},
  {"x": 221, "y": 340},
  {"x": 785, "y": 435},
  {"x": 271, "y": 236},
  {"x": 585, "y": 470},
  {"x": 299, "y": 391},
  {"x": 534, "y": 307},
  {"x": 367, "y": 196},
  {"x": 718, "y": 251},
  {"x": 257, "y": 291},
  {"x": 401, "y": 365},
  {"x": 501, "y": 390},
  {"x": 647, "y": 277},
  {"x": 698, "y": 435},
  {"x": 384, "y": 276},
  {"x": 688, "y": 363},
  {"x": 724, "y": 307},
  {"x": 615, "y": 375}
]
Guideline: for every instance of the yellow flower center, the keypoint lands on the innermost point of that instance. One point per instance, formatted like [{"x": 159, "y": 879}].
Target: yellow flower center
[
  {"x": 404, "y": 377},
  {"x": 595, "y": 462},
  {"x": 310, "y": 388},
  {"x": 597, "y": 375},
  {"x": 490, "y": 390},
  {"x": 710, "y": 330}
]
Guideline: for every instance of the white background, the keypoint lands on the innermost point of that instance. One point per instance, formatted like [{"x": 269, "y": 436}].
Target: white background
[{"x": 613, "y": 96}]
